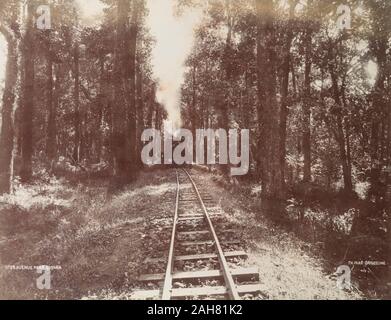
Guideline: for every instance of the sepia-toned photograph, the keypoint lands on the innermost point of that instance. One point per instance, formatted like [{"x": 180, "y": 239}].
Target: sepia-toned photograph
[{"x": 202, "y": 150}]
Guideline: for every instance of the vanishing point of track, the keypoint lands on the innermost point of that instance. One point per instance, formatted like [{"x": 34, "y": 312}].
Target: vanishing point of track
[{"x": 231, "y": 279}]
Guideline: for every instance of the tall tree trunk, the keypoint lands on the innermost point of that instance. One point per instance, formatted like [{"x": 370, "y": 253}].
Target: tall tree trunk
[
  {"x": 140, "y": 110},
  {"x": 7, "y": 125},
  {"x": 102, "y": 105},
  {"x": 121, "y": 124},
  {"x": 285, "y": 92},
  {"x": 51, "y": 125},
  {"x": 194, "y": 111},
  {"x": 28, "y": 96},
  {"x": 130, "y": 77},
  {"x": 151, "y": 105},
  {"x": 379, "y": 144},
  {"x": 268, "y": 113},
  {"x": 247, "y": 101},
  {"x": 224, "y": 103},
  {"x": 379, "y": 118},
  {"x": 307, "y": 107},
  {"x": 339, "y": 132},
  {"x": 76, "y": 102}
]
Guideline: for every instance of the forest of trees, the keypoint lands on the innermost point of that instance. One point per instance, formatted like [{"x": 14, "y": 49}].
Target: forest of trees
[
  {"x": 310, "y": 79},
  {"x": 316, "y": 97},
  {"x": 311, "y": 84},
  {"x": 75, "y": 94}
]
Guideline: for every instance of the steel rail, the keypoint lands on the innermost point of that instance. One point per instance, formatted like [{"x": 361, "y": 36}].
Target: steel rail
[
  {"x": 167, "y": 287},
  {"x": 230, "y": 283}
]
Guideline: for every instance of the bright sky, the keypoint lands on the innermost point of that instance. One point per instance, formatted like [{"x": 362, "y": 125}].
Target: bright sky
[
  {"x": 372, "y": 70},
  {"x": 91, "y": 11},
  {"x": 175, "y": 37}
]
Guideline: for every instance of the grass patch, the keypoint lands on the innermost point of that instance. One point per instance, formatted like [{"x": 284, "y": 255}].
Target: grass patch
[{"x": 95, "y": 238}]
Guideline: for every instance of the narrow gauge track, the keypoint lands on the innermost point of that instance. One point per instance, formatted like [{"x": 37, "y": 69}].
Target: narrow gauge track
[{"x": 193, "y": 228}]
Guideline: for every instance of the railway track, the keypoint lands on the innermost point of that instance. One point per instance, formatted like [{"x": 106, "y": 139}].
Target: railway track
[{"x": 195, "y": 242}]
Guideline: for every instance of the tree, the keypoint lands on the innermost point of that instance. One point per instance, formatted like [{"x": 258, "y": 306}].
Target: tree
[
  {"x": 268, "y": 113},
  {"x": 379, "y": 49},
  {"x": 10, "y": 33},
  {"x": 286, "y": 68},
  {"x": 124, "y": 135},
  {"x": 306, "y": 132},
  {"x": 27, "y": 107}
]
